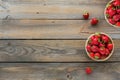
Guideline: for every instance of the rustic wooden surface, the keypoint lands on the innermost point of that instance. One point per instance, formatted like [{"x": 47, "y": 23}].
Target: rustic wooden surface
[
  {"x": 53, "y": 29},
  {"x": 44, "y": 40},
  {"x": 59, "y": 71},
  {"x": 48, "y": 51}
]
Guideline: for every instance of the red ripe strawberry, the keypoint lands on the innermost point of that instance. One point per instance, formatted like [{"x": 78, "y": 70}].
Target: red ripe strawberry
[
  {"x": 116, "y": 3},
  {"x": 92, "y": 55},
  {"x": 116, "y": 17},
  {"x": 88, "y": 70},
  {"x": 102, "y": 50},
  {"x": 92, "y": 38},
  {"x": 110, "y": 47},
  {"x": 88, "y": 48},
  {"x": 94, "y": 21},
  {"x": 112, "y": 12},
  {"x": 94, "y": 49},
  {"x": 118, "y": 24},
  {"x": 107, "y": 52},
  {"x": 118, "y": 11},
  {"x": 86, "y": 15},
  {"x": 105, "y": 39},
  {"x": 97, "y": 56},
  {"x": 112, "y": 21},
  {"x": 101, "y": 45},
  {"x": 95, "y": 41}
]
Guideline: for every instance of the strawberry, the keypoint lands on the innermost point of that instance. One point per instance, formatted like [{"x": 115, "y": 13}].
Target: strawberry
[
  {"x": 105, "y": 39},
  {"x": 95, "y": 41},
  {"x": 107, "y": 52},
  {"x": 88, "y": 70},
  {"x": 118, "y": 11},
  {"x": 102, "y": 50},
  {"x": 112, "y": 12},
  {"x": 88, "y": 47},
  {"x": 92, "y": 55},
  {"x": 94, "y": 49},
  {"x": 101, "y": 45},
  {"x": 116, "y": 3},
  {"x": 92, "y": 38},
  {"x": 110, "y": 47},
  {"x": 112, "y": 21},
  {"x": 118, "y": 24},
  {"x": 86, "y": 15},
  {"x": 94, "y": 21},
  {"x": 97, "y": 56},
  {"x": 116, "y": 17}
]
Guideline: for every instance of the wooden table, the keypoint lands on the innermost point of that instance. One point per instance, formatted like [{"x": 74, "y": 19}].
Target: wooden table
[{"x": 44, "y": 40}]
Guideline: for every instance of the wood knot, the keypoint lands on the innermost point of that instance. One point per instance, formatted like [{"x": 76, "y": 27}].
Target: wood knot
[{"x": 69, "y": 76}]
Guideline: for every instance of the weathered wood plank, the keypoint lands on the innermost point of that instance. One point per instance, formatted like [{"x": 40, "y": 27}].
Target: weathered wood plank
[
  {"x": 54, "y": 2},
  {"x": 51, "y": 9},
  {"x": 48, "y": 51},
  {"x": 53, "y": 29},
  {"x": 59, "y": 71}
]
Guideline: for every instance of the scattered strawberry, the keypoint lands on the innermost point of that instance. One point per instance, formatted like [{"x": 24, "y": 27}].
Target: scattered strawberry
[
  {"x": 86, "y": 15},
  {"x": 97, "y": 56},
  {"x": 94, "y": 21},
  {"x": 88, "y": 70}
]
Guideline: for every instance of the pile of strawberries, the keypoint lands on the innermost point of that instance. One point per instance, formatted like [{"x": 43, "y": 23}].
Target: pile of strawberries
[
  {"x": 99, "y": 46},
  {"x": 113, "y": 12}
]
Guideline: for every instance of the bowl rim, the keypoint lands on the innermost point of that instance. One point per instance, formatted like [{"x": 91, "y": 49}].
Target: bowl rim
[
  {"x": 99, "y": 60},
  {"x": 106, "y": 17}
]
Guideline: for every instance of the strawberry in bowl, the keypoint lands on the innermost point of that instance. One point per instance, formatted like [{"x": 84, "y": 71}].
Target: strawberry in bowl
[
  {"x": 99, "y": 47},
  {"x": 112, "y": 13}
]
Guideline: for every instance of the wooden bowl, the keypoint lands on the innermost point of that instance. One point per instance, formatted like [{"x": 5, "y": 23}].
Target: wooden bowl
[
  {"x": 106, "y": 17},
  {"x": 99, "y": 60}
]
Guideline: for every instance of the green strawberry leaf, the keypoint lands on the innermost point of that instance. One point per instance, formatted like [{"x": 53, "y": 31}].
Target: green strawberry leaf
[
  {"x": 108, "y": 5},
  {"x": 96, "y": 57},
  {"x": 97, "y": 33},
  {"x": 107, "y": 15}
]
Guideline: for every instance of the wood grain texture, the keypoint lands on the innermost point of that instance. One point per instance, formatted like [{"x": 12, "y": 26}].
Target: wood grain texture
[
  {"x": 51, "y": 9},
  {"x": 53, "y": 29},
  {"x": 59, "y": 71},
  {"x": 48, "y": 51}
]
